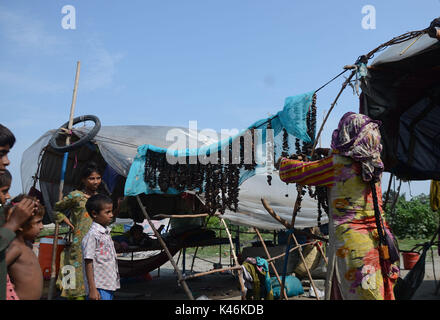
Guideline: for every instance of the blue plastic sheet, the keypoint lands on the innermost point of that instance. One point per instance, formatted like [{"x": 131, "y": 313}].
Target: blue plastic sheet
[{"x": 292, "y": 118}]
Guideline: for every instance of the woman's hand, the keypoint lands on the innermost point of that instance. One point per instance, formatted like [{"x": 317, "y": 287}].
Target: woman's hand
[
  {"x": 322, "y": 151},
  {"x": 67, "y": 221}
]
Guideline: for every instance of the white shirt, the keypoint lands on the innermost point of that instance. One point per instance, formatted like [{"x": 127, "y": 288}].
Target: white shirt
[{"x": 97, "y": 245}]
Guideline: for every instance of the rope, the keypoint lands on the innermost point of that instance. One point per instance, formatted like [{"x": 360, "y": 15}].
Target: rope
[{"x": 324, "y": 85}]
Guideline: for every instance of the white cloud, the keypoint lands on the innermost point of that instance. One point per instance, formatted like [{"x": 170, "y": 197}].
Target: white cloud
[
  {"x": 99, "y": 67},
  {"x": 27, "y": 33},
  {"x": 29, "y": 83}
]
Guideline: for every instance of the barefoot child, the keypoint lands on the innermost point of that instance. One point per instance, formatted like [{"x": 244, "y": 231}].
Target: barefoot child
[
  {"x": 23, "y": 266},
  {"x": 100, "y": 265}
]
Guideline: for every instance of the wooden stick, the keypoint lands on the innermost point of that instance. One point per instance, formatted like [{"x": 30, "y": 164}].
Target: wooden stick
[
  {"x": 164, "y": 246},
  {"x": 211, "y": 272},
  {"x": 53, "y": 274},
  {"x": 182, "y": 216},
  {"x": 200, "y": 274},
  {"x": 270, "y": 263},
  {"x": 286, "y": 224},
  {"x": 240, "y": 271},
  {"x": 305, "y": 265},
  {"x": 344, "y": 85},
  {"x": 273, "y": 214}
]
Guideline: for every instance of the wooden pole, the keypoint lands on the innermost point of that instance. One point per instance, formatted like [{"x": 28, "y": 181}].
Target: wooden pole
[
  {"x": 183, "y": 216},
  {"x": 200, "y": 274},
  {"x": 344, "y": 85},
  {"x": 53, "y": 274},
  {"x": 270, "y": 263},
  {"x": 164, "y": 246},
  {"x": 305, "y": 265},
  {"x": 240, "y": 271}
]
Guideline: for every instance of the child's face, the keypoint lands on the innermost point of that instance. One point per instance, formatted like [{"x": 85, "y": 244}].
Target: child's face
[
  {"x": 4, "y": 160},
  {"x": 4, "y": 194},
  {"x": 105, "y": 216},
  {"x": 33, "y": 229},
  {"x": 92, "y": 182}
]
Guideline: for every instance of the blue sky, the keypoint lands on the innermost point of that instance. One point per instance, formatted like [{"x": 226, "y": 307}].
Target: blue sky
[{"x": 224, "y": 64}]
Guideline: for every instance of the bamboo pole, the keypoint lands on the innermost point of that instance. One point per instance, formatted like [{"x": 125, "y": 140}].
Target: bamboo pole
[
  {"x": 53, "y": 274},
  {"x": 307, "y": 268},
  {"x": 270, "y": 263},
  {"x": 344, "y": 85},
  {"x": 287, "y": 224},
  {"x": 182, "y": 216},
  {"x": 164, "y": 246},
  {"x": 240, "y": 271}
]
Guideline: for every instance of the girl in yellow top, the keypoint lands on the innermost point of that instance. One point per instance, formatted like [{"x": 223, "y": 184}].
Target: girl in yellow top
[{"x": 79, "y": 221}]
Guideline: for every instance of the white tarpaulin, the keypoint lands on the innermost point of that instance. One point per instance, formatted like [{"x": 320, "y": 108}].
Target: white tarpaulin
[{"x": 118, "y": 146}]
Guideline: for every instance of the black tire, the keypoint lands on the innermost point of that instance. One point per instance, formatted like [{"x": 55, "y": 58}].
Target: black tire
[{"x": 92, "y": 133}]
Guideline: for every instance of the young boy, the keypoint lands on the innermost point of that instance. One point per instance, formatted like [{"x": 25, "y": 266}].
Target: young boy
[
  {"x": 100, "y": 265},
  {"x": 23, "y": 267}
]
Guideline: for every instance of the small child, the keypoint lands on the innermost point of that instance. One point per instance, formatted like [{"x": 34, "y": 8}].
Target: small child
[
  {"x": 23, "y": 267},
  {"x": 101, "y": 275},
  {"x": 5, "y": 184}
]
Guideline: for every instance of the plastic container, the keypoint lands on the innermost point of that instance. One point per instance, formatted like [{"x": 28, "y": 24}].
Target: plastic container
[
  {"x": 410, "y": 259},
  {"x": 45, "y": 255}
]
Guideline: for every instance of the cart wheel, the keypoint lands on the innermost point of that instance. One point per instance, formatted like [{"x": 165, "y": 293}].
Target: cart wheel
[{"x": 92, "y": 133}]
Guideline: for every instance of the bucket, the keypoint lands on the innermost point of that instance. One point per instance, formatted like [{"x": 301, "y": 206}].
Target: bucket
[
  {"x": 410, "y": 259},
  {"x": 45, "y": 255}
]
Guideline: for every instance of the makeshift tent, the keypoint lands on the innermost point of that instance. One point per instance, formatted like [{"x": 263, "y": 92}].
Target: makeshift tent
[
  {"x": 116, "y": 147},
  {"x": 402, "y": 89}
]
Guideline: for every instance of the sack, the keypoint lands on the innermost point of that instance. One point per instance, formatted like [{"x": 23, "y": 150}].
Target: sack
[
  {"x": 312, "y": 257},
  {"x": 292, "y": 285}
]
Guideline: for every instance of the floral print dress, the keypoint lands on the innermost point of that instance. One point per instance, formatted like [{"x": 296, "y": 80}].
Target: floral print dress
[
  {"x": 75, "y": 203},
  {"x": 354, "y": 268}
]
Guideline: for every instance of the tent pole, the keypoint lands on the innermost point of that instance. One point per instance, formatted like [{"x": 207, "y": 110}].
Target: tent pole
[
  {"x": 240, "y": 271},
  {"x": 53, "y": 274},
  {"x": 164, "y": 246},
  {"x": 270, "y": 263},
  {"x": 344, "y": 85}
]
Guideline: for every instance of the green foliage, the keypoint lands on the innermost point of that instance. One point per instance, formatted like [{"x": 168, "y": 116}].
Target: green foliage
[{"x": 412, "y": 219}]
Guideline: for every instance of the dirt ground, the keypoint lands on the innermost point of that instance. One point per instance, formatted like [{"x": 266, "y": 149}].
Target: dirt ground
[{"x": 225, "y": 286}]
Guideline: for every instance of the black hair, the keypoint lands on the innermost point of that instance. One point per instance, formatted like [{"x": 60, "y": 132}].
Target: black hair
[
  {"x": 95, "y": 202},
  {"x": 6, "y": 137},
  {"x": 89, "y": 168},
  {"x": 136, "y": 227},
  {"x": 5, "y": 179}
]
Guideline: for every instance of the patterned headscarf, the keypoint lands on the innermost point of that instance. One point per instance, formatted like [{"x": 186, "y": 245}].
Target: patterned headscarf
[{"x": 358, "y": 137}]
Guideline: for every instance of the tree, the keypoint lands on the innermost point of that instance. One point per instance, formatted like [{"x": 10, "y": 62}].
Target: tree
[{"x": 411, "y": 219}]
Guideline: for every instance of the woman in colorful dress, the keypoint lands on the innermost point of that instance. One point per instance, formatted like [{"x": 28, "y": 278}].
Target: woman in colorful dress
[
  {"x": 355, "y": 269},
  {"x": 71, "y": 280}
]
